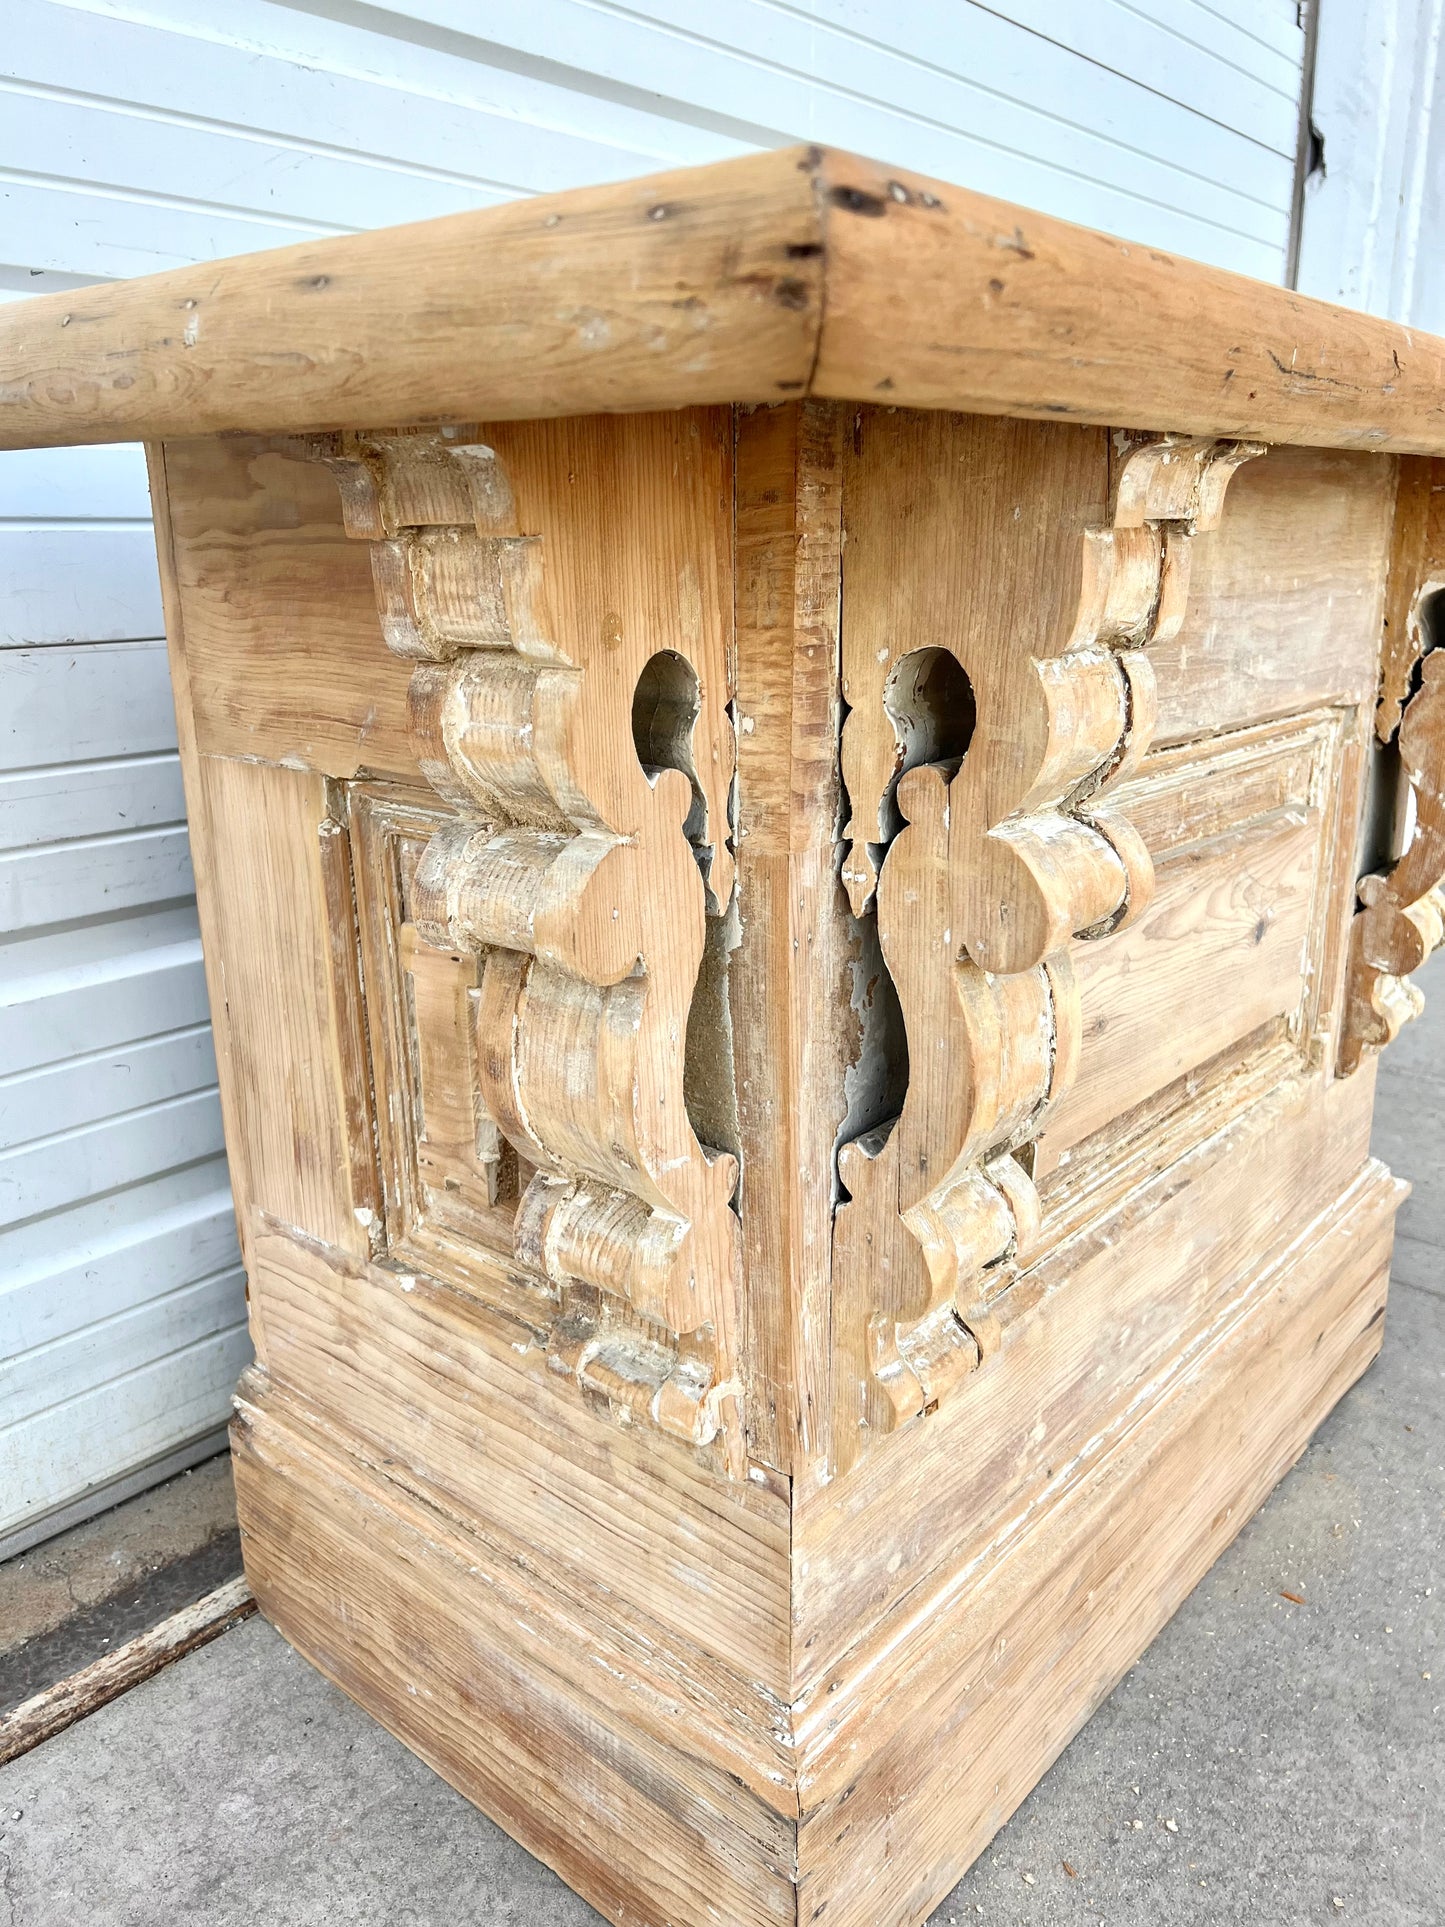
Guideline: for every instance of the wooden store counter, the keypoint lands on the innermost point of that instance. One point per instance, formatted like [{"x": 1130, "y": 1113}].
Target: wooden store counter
[{"x": 797, "y": 781}]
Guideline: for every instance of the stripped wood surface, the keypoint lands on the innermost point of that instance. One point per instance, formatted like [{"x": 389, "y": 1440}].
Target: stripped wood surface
[
  {"x": 793, "y": 1007},
  {"x": 802, "y": 271}
]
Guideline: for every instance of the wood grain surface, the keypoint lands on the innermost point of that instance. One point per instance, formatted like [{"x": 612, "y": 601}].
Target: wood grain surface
[
  {"x": 905, "y": 863},
  {"x": 801, "y": 271}
]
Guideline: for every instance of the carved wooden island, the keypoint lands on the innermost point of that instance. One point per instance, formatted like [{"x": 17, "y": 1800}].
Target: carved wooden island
[{"x": 778, "y": 763}]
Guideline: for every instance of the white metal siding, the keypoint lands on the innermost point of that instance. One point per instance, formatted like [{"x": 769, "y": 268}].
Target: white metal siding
[
  {"x": 143, "y": 134},
  {"x": 1375, "y": 207}
]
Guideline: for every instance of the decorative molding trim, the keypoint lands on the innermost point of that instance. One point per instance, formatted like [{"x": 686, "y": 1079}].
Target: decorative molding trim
[
  {"x": 1401, "y": 918},
  {"x": 1002, "y": 861},
  {"x": 1417, "y": 572},
  {"x": 578, "y": 878}
]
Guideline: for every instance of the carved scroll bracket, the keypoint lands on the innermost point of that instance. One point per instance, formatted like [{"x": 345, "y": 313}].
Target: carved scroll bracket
[
  {"x": 579, "y": 872},
  {"x": 1005, "y": 856},
  {"x": 1401, "y": 918}
]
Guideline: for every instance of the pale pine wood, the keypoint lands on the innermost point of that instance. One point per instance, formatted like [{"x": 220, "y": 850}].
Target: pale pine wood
[
  {"x": 1230, "y": 940},
  {"x": 778, "y": 1633},
  {"x": 1285, "y": 598},
  {"x": 791, "y": 1104},
  {"x": 1029, "y": 532},
  {"x": 607, "y": 1511},
  {"x": 1258, "y": 1165},
  {"x": 701, "y": 286},
  {"x": 596, "y": 1757},
  {"x": 1417, "y": 567},
  {"x": 796, "y": 1018},
  {"x": 290, "y": 1062},
  {"x": 1119, "y": 1554},
  {"x": 802, "y": 271},
  {"x": 1402, "y": 918}
]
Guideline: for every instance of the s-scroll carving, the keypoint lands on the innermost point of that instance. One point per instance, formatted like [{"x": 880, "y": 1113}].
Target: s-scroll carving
[
  {"x": 577, "y": 870},
  {"x": 984, "y": 867},
  {"x": 1401, "y": 917}
]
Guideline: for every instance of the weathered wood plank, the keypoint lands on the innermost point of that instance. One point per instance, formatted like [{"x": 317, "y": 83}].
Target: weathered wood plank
[
  {"x": 1090, "y": 1584},
  {"x": 546, "y": 1720},
  {"x": 800, "y": 271},
  {"x": 1285, "y": 598},
  {"x": 292, "y": 1064},
  {"x": 510, "y": 1444}
]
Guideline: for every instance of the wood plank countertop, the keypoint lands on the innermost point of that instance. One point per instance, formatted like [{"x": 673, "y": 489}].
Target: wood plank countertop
[{"x": 796, "y": 272}]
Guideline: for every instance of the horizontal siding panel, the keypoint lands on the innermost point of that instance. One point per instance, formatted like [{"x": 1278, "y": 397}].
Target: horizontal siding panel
[
  {"x": 1160, "y": 42},
  {"x": 84, "y": 704},
  {"x": 260, "y": 69},
  {"x": 74, "y": 484},
  {"x": 111, "y": 147},
  {"x": 97, "y": 1438},
  {"x": 98, "y": 1259},
  {"x": 33, "y": 1381},
  {"x": 77, "y": 583},
  {"x": 54, "y": 1172},
  {"x": 76, "y": 992},
  {"x": 93, "y": 877},
  {"x": 69, "y": 1095},
  {"x": 89, "y": 799},
  {"x": 1044, "y": 127},
  {"x": 1270, "y": 24},
  {"x": 1097, "y": 66},
  {"x": 1027, "y": 132},
  {"x": 114, "y": 235}
]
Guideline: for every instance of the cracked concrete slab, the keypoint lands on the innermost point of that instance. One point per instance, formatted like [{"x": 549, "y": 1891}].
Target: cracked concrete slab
[{"x": 80, "y": 1595}]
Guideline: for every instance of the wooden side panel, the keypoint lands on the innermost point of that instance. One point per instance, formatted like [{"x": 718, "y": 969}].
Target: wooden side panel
[
  {"x": 1005, "y": 1670},
  {"x": 624, "y": 1513},
  {"x": 1221, "y": 951},
  {"x": 1085, "y": 1333},
  {"x": 1286, "y": 597},
  {"x": 559, "y": 1725},
  {"x": 290, "y": 1001},
  {"x": 286, "y": 659},
  {"x": 1242, "y": 831}
]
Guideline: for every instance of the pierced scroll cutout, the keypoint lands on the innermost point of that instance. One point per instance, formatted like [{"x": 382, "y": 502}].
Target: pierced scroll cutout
[
  {"x": 555, "y": 928},
  {"x": 1413, "y": 586},
  {"x": 1401, "y": 918},
  {"x": 1003, "y": 860}
]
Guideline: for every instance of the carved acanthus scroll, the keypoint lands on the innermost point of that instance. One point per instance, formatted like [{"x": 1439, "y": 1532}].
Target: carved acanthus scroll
[
  {"x": 1401, "y": 918},
  {"x": 1004, "y": 855},
  {"x": 577, "y": 873}
]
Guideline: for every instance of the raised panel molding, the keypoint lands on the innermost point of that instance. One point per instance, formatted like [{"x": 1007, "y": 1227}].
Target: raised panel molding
[{"x": 1401, "y": 918}]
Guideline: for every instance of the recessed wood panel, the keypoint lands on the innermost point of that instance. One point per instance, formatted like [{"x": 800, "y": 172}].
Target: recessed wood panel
[
  {"x": 291, "y": 1049},
  {"x": 1285, "y": 598},
  {"x": 1242, "y": 843},
  {"x": 1086, "y": 1333}
]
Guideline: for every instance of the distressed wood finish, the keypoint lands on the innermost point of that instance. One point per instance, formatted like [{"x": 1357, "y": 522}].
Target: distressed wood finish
[
  {"x": 801, "y": 271},
  {"x": 779, "y": 790},
  {"x": 1047, "y": 608}
]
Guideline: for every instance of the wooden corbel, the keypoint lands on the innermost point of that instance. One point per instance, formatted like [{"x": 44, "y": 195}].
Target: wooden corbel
[
  {"x": 1005, "y": 858},
  {"x": 577, "y": 873},
  {"x": 1401, "y": 918}
]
